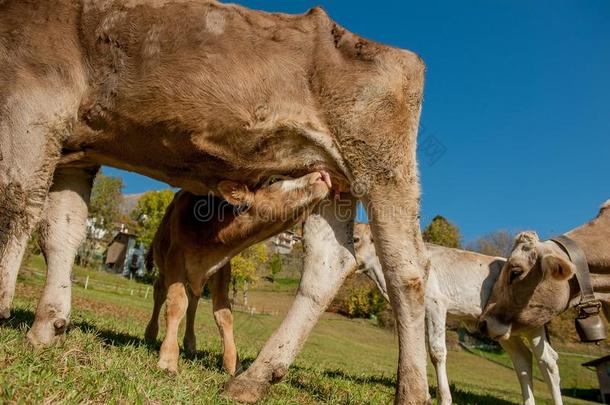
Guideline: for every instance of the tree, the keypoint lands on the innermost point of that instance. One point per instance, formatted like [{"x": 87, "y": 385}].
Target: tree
[
  {"x": 149, "y": 212},
  {"x": 244, "y": 268},
  {"x": 106, "y": 197},
  {"x": 498, "y": 243},
  {"x": 275, "y": 267},
  {"x": 442, "y": 232}
]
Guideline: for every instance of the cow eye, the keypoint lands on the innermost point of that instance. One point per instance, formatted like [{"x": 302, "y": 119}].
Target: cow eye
[
  {"x": 356, "y": 239},
  {"x": 515, "y": 273}
]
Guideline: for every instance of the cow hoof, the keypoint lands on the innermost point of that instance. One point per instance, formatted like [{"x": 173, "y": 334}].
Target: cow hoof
[
  {"x": 245, "y": 390},
  {"x": 167, "y": 365},
  {"x": 5, "y": 313},
  {"x": 44, "y": 333}
]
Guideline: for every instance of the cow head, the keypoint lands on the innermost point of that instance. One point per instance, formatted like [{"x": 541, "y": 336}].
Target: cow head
[
  {"x": 531, "y": 289},
  {"x": 368, "y": 263}
]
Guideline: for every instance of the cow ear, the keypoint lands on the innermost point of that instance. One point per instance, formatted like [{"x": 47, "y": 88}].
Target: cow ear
[
  {"x": 557, "y": 267},
  {"x": 235, "y": 193}
]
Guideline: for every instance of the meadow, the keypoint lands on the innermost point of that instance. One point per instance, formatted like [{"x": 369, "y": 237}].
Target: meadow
[{"x": 104, "y": 359}]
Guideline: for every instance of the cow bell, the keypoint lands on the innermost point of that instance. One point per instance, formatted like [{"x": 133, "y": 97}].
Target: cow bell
[{"x": 589, "y": 324}]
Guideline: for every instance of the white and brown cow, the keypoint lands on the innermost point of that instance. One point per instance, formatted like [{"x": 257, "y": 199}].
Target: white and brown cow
[
  {"x": 459, "y": 285},
  {"x": 194, "y": 92}
]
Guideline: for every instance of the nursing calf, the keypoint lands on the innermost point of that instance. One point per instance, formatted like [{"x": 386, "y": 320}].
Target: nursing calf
[
  {"x": 459, "y": 285},
  {"x": 196, "y": 240}
]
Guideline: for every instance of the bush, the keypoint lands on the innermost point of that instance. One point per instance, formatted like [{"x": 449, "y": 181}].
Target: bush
[{"x": 363, "y": 302}]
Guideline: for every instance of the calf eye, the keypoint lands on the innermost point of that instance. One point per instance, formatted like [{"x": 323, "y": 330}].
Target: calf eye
[
  {"x": 356, "y": 239},
  {"x": 515, "y": 273},
  {"x": 275, "y": 178}
]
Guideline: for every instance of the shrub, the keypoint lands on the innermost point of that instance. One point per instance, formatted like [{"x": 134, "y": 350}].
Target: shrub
[{"x": 363, "y": 302}]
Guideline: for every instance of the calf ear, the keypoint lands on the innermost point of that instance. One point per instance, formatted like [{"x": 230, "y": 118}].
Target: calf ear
[
  {"x": 235, "y": 193},
  {"x": 557, "y": 267}
]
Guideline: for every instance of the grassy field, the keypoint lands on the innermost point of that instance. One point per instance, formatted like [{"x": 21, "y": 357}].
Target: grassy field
[{"x": 104, "y": 358}]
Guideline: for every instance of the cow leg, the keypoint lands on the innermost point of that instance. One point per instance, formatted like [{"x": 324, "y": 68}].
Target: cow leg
[
  {"x": 159, "y": 296},
  {"x": 23, "y": 194},
  {"x": 36, "y": 117},
  {"x": 436, "y": 315},
  {"x": 219, "y": 284},
  {"x": 10, "y": 260},
  {"x": 547, "y": 362},
  {"x": 328, "y": 260},
  {"x": 521, "y": 358},
  {"x": 175, "y": 308},
  {"x": 29, "y": 152},
  {"x": 61, "y": 232},
  {"x": 190, "y": 340},
  {"x": 393, "y": 210}
]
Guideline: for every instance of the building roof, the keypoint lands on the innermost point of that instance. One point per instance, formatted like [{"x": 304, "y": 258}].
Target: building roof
[{"x": 596, "y": 361}]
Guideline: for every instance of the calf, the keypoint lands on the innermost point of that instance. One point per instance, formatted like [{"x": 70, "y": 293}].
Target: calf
[
  {"x": 459, "y": 285},
  {"x": 196, "y": 240}
]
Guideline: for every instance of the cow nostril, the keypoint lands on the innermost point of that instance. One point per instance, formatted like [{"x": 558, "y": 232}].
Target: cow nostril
[{"x": 483, "y": 328}]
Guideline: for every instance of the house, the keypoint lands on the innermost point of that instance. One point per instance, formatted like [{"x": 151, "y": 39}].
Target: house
[
  {"x": 283, "y": 242},
  {"x": 602, "y": 366},
  {"x": 125, "y": 255}
]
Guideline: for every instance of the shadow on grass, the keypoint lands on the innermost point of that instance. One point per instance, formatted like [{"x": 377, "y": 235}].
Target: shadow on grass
[
  {"x": 22, "y": 319},
  {"x": 312, "y": 385},
  {"x": 361, "y": 379},
  {"x": 460, "y": 396},
  {"x": 589, "y": 394}
]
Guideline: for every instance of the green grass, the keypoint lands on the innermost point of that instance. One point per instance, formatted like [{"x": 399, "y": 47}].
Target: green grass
[{"x": 104, "y": 358}]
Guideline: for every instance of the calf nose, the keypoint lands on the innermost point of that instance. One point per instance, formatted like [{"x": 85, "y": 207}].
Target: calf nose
[{"x": 483, "y": 327}]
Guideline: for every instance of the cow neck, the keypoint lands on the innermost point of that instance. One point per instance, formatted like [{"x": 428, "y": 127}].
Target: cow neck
[{"x": 578, "y": 258}]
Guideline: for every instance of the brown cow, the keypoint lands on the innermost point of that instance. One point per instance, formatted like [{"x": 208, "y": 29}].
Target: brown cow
[
  {"x": 193, "y": 92},
  {"x": 537, "y": 282},
  {"x": 196, "y": 240}
]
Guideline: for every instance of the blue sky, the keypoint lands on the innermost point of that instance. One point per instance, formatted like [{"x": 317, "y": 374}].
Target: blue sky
[{"x": 516, "y": 113}]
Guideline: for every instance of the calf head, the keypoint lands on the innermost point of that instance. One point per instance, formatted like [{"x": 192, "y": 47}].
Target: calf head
[
  {"x": 275, "y": 206},
  {"x": 368, "y": 262},
  {"x": 532, "y": 288}
]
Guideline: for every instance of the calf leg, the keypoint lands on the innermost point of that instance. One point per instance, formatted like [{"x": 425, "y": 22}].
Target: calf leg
[
  {"x": 175, "y": 308},
  {"x": 61, "y": 233},
  {"x": 521, "y": 358},
  {"x": 547, "y": 362},
  {"x": 190, "y": 340},
  {"x": 219, "y": 284},
  {"x": 328, "y": 260},
  {"x": 435, "y": 333},
  {"x": 159, "y": 296}
]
